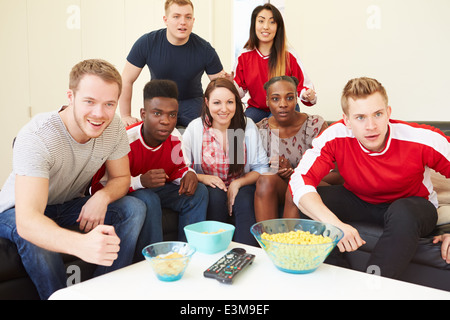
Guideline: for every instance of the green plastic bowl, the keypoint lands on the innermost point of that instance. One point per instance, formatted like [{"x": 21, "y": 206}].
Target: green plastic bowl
[{"x": 204, "y": 238}]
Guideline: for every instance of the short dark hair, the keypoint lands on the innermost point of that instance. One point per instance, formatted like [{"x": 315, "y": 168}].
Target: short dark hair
[
  {"x": 160, "y": 88},
  {"x": 291, "y": 79}
]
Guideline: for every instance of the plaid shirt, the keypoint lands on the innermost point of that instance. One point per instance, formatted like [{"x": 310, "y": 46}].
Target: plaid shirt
[{"x": 215, "y": 160}]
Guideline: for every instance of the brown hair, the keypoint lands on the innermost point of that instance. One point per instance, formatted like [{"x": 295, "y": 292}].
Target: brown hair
[
  {"x": 239, "y": 121},
  {"x": 361, "y": 88},
  {"x": 178, "y": 2},
  {"x": 278, "y": 56},
  {"x": 101, "y": 68}
]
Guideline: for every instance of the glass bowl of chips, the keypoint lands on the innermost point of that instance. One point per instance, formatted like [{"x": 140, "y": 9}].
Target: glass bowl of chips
[
  {"x": 169, "y": 260},
  {"x": 209, "y": 236},
  {"x": 296, "y": 245}
]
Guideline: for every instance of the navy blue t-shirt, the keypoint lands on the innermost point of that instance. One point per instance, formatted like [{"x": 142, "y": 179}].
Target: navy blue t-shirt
[{"x": 183, "y": 64}]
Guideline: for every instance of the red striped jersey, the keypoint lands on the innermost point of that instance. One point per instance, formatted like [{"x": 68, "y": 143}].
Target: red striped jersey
[
  {"x": 167, "y": 156},
  {"x": 252, "y": 72},
  {"x": 399, "y": 171}
]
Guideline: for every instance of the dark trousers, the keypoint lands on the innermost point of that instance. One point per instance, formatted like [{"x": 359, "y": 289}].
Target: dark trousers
[
  {"x": 404, "y": 222},
  {"x": 243, "y": 212},
  {"x": 189, "y": 110}
]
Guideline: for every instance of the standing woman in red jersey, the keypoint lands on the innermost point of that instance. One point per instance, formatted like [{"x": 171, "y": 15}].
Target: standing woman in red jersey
[{"x": 266, "y": 55}]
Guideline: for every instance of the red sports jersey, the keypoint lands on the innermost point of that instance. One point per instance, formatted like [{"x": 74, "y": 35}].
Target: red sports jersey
[
  {"x": 401, "y": 170},
  {"x": 168, "y": 156},
  {"x": 252, "y": 72}
]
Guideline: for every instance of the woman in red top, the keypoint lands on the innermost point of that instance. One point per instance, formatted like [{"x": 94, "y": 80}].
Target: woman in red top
[{"x": 266, "y": 55}]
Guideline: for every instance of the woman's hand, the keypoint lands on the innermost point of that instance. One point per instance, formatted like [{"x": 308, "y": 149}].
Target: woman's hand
[
  {"x": 233, "y": 190},
  {"x": 212, "y": 181},
  {"x": 129, "y": 120},
  {"x": 285, "y": 170},
  {"x": 309, "y": 95}
]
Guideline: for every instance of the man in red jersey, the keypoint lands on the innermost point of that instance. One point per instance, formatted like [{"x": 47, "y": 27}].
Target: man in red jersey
[
  {"x": 159, "y": 174},
  {"x": 385, "y": 165}
]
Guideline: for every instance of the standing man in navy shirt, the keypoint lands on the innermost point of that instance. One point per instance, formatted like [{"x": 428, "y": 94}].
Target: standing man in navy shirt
[{"x": 173, "y": 53}]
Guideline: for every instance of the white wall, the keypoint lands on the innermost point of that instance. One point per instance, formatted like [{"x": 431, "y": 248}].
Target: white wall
[
  {"x": 42, "y": 39},
  {"x": 403, "y": 43}
]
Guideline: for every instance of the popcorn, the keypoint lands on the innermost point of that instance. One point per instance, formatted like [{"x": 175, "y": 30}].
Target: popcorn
[
  {"x": 297, "y": 250},
  {"x": 296, "y": 237}
]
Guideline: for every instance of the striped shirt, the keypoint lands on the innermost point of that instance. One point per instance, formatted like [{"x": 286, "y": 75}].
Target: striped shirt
[
  {"x": 45, "y": 149},
  {"x": 399, "y": 171}
]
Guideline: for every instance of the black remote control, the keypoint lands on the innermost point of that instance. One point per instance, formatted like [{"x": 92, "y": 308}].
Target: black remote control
[{"x": 229, "y": 266}]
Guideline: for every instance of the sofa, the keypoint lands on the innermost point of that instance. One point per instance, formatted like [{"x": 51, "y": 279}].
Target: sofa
[{"x": 427, "y": 267}]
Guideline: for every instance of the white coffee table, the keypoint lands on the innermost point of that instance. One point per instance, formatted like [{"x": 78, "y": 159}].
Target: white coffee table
[{"x": 260, "y": 281}]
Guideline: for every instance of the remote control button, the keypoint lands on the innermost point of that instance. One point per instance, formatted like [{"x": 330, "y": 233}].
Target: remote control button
[{"x": 239, "y": 250}]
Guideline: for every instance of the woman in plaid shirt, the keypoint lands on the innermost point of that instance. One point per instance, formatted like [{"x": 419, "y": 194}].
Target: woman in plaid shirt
[{"x": 225, "y": 149}]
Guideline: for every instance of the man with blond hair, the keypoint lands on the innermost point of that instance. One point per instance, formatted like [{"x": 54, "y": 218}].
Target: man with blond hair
[
  {"x": 173, "y": 53},
  {"x": 385, "y": 164},
  {"x": 55, "y": 157}
]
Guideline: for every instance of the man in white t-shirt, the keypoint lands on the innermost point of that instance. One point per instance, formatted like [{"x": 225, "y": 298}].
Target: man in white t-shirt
[{"x": 55, "y": 157}]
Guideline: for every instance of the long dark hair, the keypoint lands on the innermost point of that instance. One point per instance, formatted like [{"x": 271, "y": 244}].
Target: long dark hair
[
  {"x": 278, "y": 61},
  {"x": 236, "y": 130}
]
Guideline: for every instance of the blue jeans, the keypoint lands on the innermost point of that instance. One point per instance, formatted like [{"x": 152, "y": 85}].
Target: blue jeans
[
  {"x": 243, "y": 212},
  {"x": 189, "y": 110},
  {"x": 256, "y": 114},
  {"x": 191, "y": 210},
  {"x": 46, "y": 269}
]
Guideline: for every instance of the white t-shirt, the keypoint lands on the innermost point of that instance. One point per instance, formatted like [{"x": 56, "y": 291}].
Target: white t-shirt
[{"x": 45, "y": 149}]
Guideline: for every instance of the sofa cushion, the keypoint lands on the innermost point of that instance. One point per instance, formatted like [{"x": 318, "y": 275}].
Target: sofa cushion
[
  {"x": 170, "y": 225},
  {"x": 442, "y": 187},
  {"x": 444, "y": 215},
  {"x": 11, "y": 265}
]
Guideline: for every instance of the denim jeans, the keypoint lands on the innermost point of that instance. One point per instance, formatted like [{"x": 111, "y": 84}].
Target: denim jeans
[
  {"x": 191, "y": 209},
  {"x": 189, "y": 110},
  {"x": 256, "y": 114},
  {"x": 243, "y": 212},
  {"x": 46, "y": 269}
]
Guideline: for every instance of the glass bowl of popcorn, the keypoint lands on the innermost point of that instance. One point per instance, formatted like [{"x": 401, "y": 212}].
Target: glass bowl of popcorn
[
  {"x": 169, "y": 260},
  {"x": 296, "y": 245}
]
